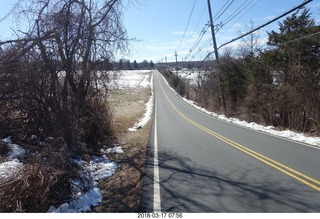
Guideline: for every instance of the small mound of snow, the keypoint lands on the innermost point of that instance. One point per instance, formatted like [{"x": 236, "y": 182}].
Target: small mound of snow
[
  {"x": 81, "y": 204},
  {"x": 16, "y": 151},
  {"x": 8, "y": 168},
  {"x": 114, "y": 150}
]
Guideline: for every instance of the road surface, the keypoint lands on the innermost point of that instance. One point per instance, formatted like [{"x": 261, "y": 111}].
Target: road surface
[{"x": 197, "y": 163}]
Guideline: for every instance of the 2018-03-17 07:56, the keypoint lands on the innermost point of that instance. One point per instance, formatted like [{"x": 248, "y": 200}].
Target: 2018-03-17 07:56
[{"x": 160, "y": 215}]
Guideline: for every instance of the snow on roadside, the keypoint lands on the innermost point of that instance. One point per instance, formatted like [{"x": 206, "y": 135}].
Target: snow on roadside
[
  {"x": 99, "y": 168},
  {"x": 13, "y": 164},
  {"x": 114, "y": 150},
  {"x": 15, "y": 150},
  {"x": 299, "y": 137},
  {"x": 149, "y": 109},
  {"x": 8, "y": 168}
]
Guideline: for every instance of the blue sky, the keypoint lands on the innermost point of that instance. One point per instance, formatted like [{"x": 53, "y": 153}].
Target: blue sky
[{"x": 160, "y": 26}]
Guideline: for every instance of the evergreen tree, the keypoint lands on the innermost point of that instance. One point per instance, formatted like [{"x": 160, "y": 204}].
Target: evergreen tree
[
  {"x": 135, "y": 65},
  {"x": 151, "y": 64},
  {"x": 129, "y": 67},
  {"x": 296, "y": 59}
]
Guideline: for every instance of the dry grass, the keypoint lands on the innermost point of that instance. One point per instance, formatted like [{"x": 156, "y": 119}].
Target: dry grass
[{"x": 122, "y": 191}]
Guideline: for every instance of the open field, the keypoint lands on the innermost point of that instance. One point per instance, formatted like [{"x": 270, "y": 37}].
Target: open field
[{"x": 122, "y": 190}]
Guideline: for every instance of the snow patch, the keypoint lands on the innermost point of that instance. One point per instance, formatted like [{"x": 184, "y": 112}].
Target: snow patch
[
  {"x": 82, "y": 204},
  {"x": 16, "y": 151},
  {"x": 114, "y": 150},
  {"x": 149, "y": 109},
  {"x": 13, "y": 164},
  {"x": 132, "y": 79},
  {"x": 8, "y": 168},
  {"x": 99, "y": 168}
]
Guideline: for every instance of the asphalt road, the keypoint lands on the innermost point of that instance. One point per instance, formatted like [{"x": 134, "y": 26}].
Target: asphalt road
[{"x": 198, "y": 163}]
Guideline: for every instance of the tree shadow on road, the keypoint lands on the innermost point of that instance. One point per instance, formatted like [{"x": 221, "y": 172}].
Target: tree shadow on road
[{"x": 186, "y": 187}]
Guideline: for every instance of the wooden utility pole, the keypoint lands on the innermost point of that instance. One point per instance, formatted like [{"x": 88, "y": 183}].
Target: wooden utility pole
[
  {"x": 176, "y": 55},
  {"x": 212, "y": 32},
  {"x": 221, "y": 86}
]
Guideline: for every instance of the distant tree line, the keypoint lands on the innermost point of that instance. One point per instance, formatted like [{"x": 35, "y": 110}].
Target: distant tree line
[
  {"x": 125, "y": 64},
  {"x": 277, "y": 86}
]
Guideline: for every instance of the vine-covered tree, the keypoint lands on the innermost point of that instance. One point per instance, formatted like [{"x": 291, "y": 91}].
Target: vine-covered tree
[
  {"x": 59, "y": 83},
  {"x": 53, "y": 91}
]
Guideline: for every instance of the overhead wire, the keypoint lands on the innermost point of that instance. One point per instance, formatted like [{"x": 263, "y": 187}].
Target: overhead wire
[
  {"x": 187, "y": 24},
  {"x": 194, "y": 30},
  {"x": 197, "y": 42},
  {"x": 225, "y": 30},
  {"x": 242, "y": 7},
  {"x": 217, "y": 16},
  {"x": 269, "y": 22},
  {"x": 203, "y": 32},
  {"x": 193, "y": 51},
  {"x": 265, "y": 24},
  {"x": 201, "y": 48}
]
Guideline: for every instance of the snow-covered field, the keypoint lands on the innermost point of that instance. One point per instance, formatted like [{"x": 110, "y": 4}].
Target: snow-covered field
[
  {"x": 138, "y": 78},
  {"x": 133, "y": 78},
  {"x": 191, "y": 75}
]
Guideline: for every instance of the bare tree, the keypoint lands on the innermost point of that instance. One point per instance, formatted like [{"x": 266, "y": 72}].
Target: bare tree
[
  {"x": 67, "y": 42},
  {"x": 251, "y": 43},
  {"x": 54, "y": 83}
]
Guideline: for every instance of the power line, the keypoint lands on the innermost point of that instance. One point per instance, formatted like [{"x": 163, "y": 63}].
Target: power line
[
  {"x": 205, "y": 45},
  {"x": 203, "y": 32},
  {"x": 194, "y": 30},
  {"x": 219, "y": 15},
  {"x": 301, "y": 38},
  {"x": 261, "y": 26},
  {"x": 269, "y": 22},
  {"x": 237, "y": 12},
  {"x": 187, "y": 24},
  {"x": 240, "y": 17}
]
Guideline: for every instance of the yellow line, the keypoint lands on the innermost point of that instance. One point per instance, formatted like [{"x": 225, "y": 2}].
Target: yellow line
[{"x": 281, "y": 167}]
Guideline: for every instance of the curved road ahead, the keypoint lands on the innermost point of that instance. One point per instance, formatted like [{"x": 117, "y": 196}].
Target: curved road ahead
[{"x": 198, "y": 163}]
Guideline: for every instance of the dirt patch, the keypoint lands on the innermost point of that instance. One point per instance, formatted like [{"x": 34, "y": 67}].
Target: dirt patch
[{"x": 122, "y": 191}]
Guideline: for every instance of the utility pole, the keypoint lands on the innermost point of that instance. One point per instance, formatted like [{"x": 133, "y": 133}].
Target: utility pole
[
  {"x": 166, "y": 61},
  {"x": 212, "y": 32},
  {"x": 176, "y": 55},
  {"x": 221, "y": 86}
]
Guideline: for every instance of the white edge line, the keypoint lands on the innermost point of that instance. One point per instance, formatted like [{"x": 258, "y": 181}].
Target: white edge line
[{"x": 156, "y": 177}]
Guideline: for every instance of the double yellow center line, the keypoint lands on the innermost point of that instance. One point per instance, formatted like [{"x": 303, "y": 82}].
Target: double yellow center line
[{"x": 313, "y": 183}]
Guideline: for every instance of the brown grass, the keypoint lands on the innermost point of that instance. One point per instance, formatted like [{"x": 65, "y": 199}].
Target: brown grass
[{"x": 122, "y": 191}]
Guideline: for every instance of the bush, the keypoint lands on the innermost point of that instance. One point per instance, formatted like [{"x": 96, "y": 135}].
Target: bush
[{"x": 44, "y": 180}]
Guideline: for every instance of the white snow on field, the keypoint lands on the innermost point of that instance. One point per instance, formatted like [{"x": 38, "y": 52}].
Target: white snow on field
[
  {"x": 149, "y": 109},
  {"x": 134, "y": 78},
  {"x": 191, "y": 75},
  {"x": 299, "y": 137}
]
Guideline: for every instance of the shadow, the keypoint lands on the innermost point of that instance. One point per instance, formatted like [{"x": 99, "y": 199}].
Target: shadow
[{"x": 187, "y": 187}]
